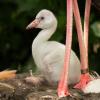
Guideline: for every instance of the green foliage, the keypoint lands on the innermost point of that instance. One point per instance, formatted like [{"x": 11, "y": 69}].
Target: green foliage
[
  {"x": 15, "y": 41},
  {"x": 96, "y": 28}
]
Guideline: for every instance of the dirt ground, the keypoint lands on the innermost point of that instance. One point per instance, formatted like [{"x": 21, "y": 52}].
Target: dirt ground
[{"x": 18, "y": 89}]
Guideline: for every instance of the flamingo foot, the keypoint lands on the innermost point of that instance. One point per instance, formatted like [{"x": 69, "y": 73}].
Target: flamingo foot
[
  {"x": 84, "y": 80},
  {"x": 62, "y": 90}
]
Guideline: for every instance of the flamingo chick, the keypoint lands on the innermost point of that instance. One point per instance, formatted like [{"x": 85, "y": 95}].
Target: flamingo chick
[{"x": 49, "y": 55}]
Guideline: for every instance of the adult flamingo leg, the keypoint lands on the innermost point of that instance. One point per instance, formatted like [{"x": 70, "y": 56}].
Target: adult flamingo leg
[
  {"x": 83, "y": 43},
  {"x": 86, "y": 25},
  {"x": 63, "y": 83}
]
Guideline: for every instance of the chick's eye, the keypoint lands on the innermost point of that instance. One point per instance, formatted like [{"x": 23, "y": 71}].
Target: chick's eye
[{"x": 42, "y": 18}]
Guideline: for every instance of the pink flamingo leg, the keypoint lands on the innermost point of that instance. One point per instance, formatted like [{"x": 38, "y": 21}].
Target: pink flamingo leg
[
  {"x": 83, "y": 43},
  {"x": 86, "y": 24},
  {"x": 63, "y": 83}
]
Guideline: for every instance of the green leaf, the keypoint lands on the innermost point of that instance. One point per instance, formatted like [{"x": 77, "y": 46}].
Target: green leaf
[{"x": 96, "y": 28}]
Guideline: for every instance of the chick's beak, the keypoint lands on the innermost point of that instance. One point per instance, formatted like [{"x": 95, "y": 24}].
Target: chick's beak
[{"x": 33, "y": 24}]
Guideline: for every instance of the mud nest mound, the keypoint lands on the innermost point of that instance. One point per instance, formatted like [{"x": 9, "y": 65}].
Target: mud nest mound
[{"x": 18, "y": 89}]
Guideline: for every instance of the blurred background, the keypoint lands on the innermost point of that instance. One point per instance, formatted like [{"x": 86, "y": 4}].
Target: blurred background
[{"x": 16, "y": 41}]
